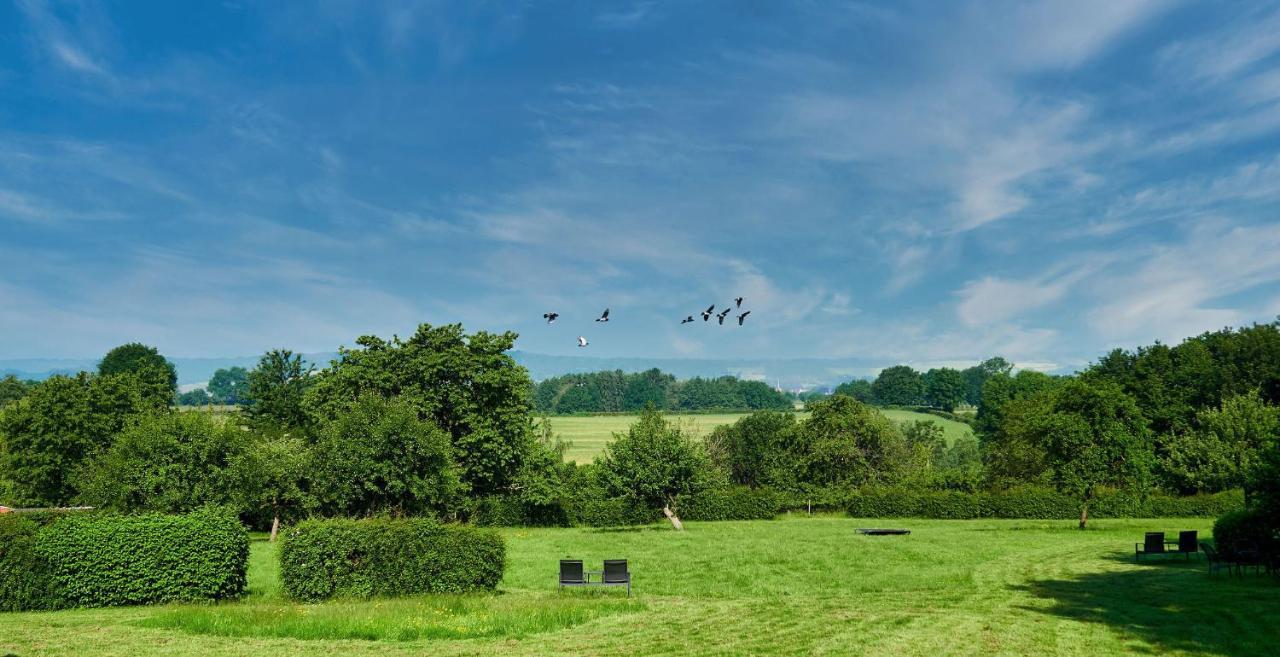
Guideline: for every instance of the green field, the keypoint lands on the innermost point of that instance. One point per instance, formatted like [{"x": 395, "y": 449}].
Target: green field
[
  {"x": 588, "y": 434},
  {"x": 794, "y": 586}
]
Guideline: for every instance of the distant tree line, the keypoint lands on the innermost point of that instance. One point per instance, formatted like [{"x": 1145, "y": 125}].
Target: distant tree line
[
  {"x": 619, "y": 392},
  {"x": 943, "y": 388},
  {"x": 228, "y": 387}
]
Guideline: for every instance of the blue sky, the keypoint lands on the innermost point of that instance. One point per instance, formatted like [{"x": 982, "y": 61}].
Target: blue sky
[{"x": 921, "y": 182}]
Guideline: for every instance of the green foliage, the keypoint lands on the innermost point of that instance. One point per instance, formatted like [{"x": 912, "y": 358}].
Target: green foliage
[
  {"x": 12, "y": 389},
  {"x": 976, "y": 377},
  {"x": 1001, "y": 389},
  {"x": 618, "y": 392},
  {"x": 377, "y": 456},
  {"x": 900, "y": 386},
  {"x": 945, "y": 388},
  {"x": 846, "y": 443},
  {"x": 61, "y": 423},
  {"x": 276, "y": 389},
  {"x": 24, "y": 575},
  {"x": 654, "y": 462},
  {"x": 859, "y": 389},
  {"x": 1243, "y": 530},
  {"x": 321, "y": 559},
  {"x": 1227, "y": 448},
  {"x": 157, "y": 376},
  {"x": 468, "y": 385},
  {"x": 730, "y": 503},
  {"x": 271, "y": 476},
  {"x": 96, "y": 560},
  {"x": 230, "y": 385},
  {"x": 1037, "y": 503},
  {"x": 752, "y": 449},
  {"x": 172, "y": 463}
]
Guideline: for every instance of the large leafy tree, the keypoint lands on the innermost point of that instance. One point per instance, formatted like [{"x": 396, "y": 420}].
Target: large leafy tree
[
  {"x": 859, "y": 389},
  {"x": 976, "y": 377},
  {"x": 62, "y": 422},
  {"x": 12, "y": 389},
  {"x": 376, "y": 456},
  {"x": 1093, "y": 435},
  {"x": 158, "y": 376},
  {"x": 468, "y": 385},
  {"x": 230, "y": 385},
  {"x": 271, "y": 475},
  {"x": 945, "y": 388},
  {"x": 846, "y": 443},
  {"x": 899, "y": 385},
  {"x": 653, "y": 463},
  {"x": 1001, "y": 389},
  {"x": 172, "y": 463},
  {"x": 276, "y": 388}
]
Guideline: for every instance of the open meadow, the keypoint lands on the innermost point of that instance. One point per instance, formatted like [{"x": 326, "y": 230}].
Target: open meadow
[
  {"x": 588, "y": 434},
  {"x": 794, "y": 586}
]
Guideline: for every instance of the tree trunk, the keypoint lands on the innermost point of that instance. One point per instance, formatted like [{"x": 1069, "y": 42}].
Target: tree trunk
[
  {"x": 1084, "y": 515},
  {"x": 675, "y": 522},
  {"x": 275, "y": 527}
]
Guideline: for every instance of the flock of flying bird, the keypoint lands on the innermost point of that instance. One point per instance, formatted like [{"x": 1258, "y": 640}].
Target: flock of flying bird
[{"x": 551, "y": 317}]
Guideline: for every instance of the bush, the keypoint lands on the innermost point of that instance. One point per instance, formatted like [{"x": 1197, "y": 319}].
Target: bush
[
  {"x": 513, "y": 511},
  {"x": 24, "y": 576},
  {"x": 612, "y": 512},
  {"x": 734, "y": 503},
  {"x": 103, "y": 560},
  {"x": 321, "y": 559},
  {"x": 1034, "y": 503},
  {"x": 1243, "y": 529}
]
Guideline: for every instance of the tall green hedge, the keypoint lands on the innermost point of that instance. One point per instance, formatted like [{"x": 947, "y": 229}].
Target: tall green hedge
[
  {"x": 97, "y": 560},
  {"x": 1035, "y": 503},
  {"x": 321, "y": 559}
]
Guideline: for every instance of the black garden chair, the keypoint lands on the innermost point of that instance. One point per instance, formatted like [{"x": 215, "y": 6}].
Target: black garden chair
[
  {"x": 571, "y": 573},
  {"x": 1154, "y": 544},
  {"x": 616, "y": 574}
]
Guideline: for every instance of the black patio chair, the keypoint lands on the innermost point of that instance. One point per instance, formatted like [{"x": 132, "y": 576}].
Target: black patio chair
[
  {"x": 616, "y": 574},
  {"x": 1215, "y": 559},
  {"x": 1188, "y": 543},
  {"x": 571, "y": 573},
  {"x": 1154, "y": 544}
]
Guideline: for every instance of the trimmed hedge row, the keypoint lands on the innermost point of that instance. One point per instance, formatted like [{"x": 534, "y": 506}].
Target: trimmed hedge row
[
  {"x": 321, "y": 559},
  {"x": 735, "y": 503},
  {"x": 511, "y": 511},
  {"x": 99, "y": 560},
  {"x": 1035, "y": 503}
]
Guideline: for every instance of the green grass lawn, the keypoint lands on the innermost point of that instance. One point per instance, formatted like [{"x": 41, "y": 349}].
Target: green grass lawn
[
  {"x": 794, "y": 586},
  {"x": 588, "y": 434}
]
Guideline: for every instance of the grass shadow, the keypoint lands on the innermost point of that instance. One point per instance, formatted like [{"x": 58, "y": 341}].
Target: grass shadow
[{"x": 1172, "y": 608}]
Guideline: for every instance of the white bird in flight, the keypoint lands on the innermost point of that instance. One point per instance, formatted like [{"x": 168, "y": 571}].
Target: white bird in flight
[{"x": 582, "y": 342}]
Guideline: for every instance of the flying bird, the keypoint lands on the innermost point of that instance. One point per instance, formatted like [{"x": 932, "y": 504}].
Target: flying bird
[
  {"x": 604, "y": 317},
  {"x": 743, "y": 317},
  {"x": 582, "y": 342},
  {"x": 721, "y": 315},
  {"x": 686, "y": 320},
  {"x": 739, "y": 300},
  {"x": 550, "y": 317},
  {"x": 706, "y": 314}
]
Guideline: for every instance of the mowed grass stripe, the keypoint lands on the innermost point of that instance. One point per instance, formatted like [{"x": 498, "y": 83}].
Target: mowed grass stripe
[{"x": 588, "y": 434}]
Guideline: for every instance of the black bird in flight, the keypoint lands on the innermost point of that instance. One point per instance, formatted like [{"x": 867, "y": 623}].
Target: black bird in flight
[
  {"x": 743, "y": 317},
  {"x": 721, "y": 315},
  {"x": 604, "y": 317},
  {"x": 550, "y": 317},
  {"x": 739, "y": 300},
  {"x": 706, "y": 314},
  {"x": 686, "y": 320}
]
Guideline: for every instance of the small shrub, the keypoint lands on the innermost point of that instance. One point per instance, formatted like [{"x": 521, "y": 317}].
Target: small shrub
[
  {"x": 321, "y": 559},
  {"x": 106, "y": 560},
  {"x": 733, "y": 503}
]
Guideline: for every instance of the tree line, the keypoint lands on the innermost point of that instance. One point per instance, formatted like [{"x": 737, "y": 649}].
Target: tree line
[
  {"x": 619, "y": 392},
  {"x": 943, "y": 388}
]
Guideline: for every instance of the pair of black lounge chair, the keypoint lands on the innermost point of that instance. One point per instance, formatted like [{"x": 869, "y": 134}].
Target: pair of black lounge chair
[
  {"x": 1186, "y": 545},
  {"x": 615, "y": 573}
]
